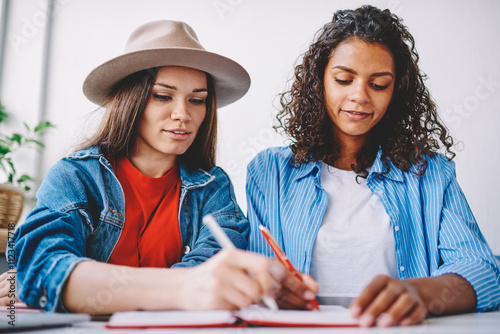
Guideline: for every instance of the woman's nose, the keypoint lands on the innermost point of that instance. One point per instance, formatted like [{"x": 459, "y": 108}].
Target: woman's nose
[
  {"x": 359, "y": 93},
  {"x": 180, "y": 112}
]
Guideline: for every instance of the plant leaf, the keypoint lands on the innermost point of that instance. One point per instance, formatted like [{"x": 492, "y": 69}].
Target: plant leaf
[
  {"x": 11, "y": 166},
  {"x": 4, "y": 149},
  {"x": 3, "y": 166},
  {"x": 3, "y": 114},
  {"x": 25, "y": 178},
  {"x": 16, "y": 137},
  {"x": 29, "y": 140},
  {"x": 42, "y": 127},
  {"x": 9, "y": 144}
]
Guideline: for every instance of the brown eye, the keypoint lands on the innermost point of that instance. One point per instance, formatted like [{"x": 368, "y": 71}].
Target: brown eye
[
  {"x": 197, "y": 101},
  {"x": 343, "y": 82},
  {"x": 379, "y": 87},
  {"x": 162, "y": 97}
]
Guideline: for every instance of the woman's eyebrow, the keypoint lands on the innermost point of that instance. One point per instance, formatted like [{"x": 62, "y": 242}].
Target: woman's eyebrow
[
  {"x": 347, "y": 69},
  {"x": 350, "y": 70},
  {"x": 165, "y": 85},
  {"x": 200, "y": 90},
  {"x": 381, "y": 74},
  {"x": 196, "y": 90}
]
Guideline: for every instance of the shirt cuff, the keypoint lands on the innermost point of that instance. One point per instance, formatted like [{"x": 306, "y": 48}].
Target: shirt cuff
[{"x": 483, "y": 277}]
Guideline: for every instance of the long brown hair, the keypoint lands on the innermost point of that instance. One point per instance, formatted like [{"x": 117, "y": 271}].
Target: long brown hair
[
  {"x": 124, "y": 107},
  {"x": 410, "y": 129}
]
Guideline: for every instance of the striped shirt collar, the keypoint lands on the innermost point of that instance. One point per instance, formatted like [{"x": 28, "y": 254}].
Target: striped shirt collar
[
  {"x": 395, "y": 174},
  {"x": 314, "y": 167}
]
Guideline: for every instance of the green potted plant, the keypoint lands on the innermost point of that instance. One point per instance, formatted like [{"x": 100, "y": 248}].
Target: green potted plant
[
  {"x": 14, "y": 142},
  {"x": 12, "y": 185}
]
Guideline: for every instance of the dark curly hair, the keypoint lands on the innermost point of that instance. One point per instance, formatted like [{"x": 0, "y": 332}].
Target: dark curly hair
[{"x": 410, "y": 129}]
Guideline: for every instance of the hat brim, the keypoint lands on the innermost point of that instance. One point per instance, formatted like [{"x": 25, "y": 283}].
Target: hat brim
[{"x": 231, "y": 80}]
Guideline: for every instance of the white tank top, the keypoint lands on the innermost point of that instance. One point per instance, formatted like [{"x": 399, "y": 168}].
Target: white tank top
[{"x": 355, "y": 241}]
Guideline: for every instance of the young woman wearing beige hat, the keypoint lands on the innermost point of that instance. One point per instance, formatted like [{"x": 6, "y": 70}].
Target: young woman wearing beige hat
[{"x": 111, "y": 216}]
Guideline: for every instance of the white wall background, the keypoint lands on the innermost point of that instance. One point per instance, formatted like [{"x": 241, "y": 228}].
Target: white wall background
[{"x": 457, "y": 41}]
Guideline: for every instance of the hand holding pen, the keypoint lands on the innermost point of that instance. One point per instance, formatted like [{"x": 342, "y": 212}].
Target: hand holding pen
[
  {"x": 264, "y": 280},
  {"x": 288, "y": 265}
]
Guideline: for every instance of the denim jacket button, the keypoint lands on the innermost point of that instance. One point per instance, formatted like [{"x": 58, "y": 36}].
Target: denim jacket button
[
  {"x": 186, "y": 249},
  {"x": 42, "y": 301}
]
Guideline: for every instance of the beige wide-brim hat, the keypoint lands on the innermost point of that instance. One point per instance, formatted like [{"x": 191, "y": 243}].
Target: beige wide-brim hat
[{"x": 167, "y": 43}]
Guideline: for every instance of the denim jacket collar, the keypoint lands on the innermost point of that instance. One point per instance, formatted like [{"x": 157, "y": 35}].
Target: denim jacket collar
[
  {"x": 190, "y": 179},
  {"x": 91, "y": 152}
]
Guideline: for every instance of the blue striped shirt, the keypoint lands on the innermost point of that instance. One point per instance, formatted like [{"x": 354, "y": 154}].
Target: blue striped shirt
[{"x": 434, "y": 229}]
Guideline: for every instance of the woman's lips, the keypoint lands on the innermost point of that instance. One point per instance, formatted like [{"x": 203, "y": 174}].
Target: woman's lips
[
  {"x": 356, "y": 115},
  {"x": 178, "y": 134}
]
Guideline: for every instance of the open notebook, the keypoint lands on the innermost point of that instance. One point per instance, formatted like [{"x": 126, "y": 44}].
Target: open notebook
[{"x": 328, "y": 316}]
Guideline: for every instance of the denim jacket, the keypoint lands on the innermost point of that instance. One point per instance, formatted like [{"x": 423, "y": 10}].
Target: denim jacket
[{"x": 80, "y": 215}]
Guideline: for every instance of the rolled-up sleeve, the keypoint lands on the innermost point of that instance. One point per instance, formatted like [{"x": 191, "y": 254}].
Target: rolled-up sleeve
[
  {"x": 52, "y": 239},
  {"x": 47, "y": 246},
  {"x": 464, "y": 250}
]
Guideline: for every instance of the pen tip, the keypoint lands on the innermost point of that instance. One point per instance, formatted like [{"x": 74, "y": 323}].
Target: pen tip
[{"x": 270, "y": 303}]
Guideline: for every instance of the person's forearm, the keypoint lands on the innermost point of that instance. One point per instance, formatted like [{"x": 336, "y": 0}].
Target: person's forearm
[
  {"x": 445, "y": 294},
  {"x": 102, "y": 288}
]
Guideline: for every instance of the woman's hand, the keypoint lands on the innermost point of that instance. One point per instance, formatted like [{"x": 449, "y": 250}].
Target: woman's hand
[
  {"x": 232, "y": 279},
  {"x": 8, "y": 288},
  {"x": 387, "y": 301},
  {"x": 297, "y": 294},
  {"x": 235, "y": 279}
]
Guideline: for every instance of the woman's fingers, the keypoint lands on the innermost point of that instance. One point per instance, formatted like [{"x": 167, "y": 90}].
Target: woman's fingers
[
  {"x": 238, "y": 288},
  {"x": 310, "y": 283},
  {"x": 267, "y": 272},
  {"x": 415, "y": 317},
  {"x": 381, "y": 303},
  {"x": 402, "y": 307},
  {"x": 366, "y": 297},
  {"x": 7, "y": 288},
  {"x": 3, "y": 276},
  {"x": 386, "y": 302},
  {"x": 289, "y": 300},
  {"x": 297, "y": 291},
  {"x": 236, "y": 279}
]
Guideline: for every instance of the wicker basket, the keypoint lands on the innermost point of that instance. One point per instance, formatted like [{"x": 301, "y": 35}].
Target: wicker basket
[{"x": 11, "y": 205}]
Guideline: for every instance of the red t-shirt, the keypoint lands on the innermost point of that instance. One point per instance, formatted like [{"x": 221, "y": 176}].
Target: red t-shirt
[{"x": 153, "y": 244}]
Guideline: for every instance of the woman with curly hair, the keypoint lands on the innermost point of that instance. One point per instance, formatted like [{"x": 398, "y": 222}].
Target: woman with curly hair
[{"x": 362, "y": 200}]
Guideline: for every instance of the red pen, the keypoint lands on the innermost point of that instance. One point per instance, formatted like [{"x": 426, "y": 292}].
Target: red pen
[{"x": 283, "y": 258}]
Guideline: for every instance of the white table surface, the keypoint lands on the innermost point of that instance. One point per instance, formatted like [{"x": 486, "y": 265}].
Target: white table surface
[{"x": 473, "y": 323}]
